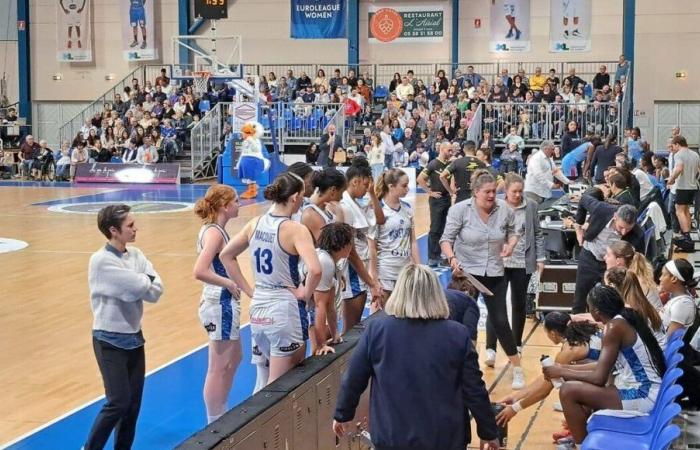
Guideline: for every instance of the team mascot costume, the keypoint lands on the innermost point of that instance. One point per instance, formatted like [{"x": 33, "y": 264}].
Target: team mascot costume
[{"x": 253, "y": 160}]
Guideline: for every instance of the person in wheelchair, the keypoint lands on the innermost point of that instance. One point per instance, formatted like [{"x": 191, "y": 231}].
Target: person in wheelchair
[{"x": 45, "y": 164}]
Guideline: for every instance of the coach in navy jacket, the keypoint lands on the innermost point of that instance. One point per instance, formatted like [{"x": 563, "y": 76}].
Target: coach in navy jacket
[{"x": 425, "y": 375}]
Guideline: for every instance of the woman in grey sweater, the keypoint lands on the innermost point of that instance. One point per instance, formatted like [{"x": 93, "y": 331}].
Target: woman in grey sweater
[
  {"x": 120, "y": 280},
  {"x": 528, "y": 257}
]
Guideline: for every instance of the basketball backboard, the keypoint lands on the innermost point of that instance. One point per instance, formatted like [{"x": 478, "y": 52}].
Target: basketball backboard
[{"x": 220, "y": 55}]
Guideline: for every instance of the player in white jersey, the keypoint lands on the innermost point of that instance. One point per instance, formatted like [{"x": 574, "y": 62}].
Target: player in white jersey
[
  {"x": 363, "y": 211},
  {"x": 73, "y": 9},
  {"x": 334, "y": 244},
  {"x": 276, "y": 245},
  {"x": 629, "y": 347},
  {"x": 305, "y": 172},
  {"x": 395, "y": 245},
  {"x": 219, "y": 306}
]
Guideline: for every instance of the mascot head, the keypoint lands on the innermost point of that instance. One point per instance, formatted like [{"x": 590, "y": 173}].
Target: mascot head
[{"x": 252, "y": 129}]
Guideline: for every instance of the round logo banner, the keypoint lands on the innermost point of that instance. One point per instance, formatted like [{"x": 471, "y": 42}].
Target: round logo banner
[{"x": 140, "y": 207}]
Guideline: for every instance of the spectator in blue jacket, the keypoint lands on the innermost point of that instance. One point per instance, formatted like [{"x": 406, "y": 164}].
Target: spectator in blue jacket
[{"x": 424, "y": 371}]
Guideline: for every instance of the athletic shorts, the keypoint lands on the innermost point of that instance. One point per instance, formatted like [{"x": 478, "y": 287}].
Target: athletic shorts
[
  {"x": 136, "y": 16},
  {"x": 387, "y": 285},
  {"x": 221, "y": 320},
  {"x": 685, "y": 196},
  {"x": 510, "y": 9},
  {"x": 275, "y": 325},
  {"x": 631, "y": 402},
  {"x": 354, "y": 286},
  {"x": 73, "y": 19}
]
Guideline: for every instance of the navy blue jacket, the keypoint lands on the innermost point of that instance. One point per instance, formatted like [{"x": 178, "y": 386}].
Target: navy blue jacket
[
  {"x": 425, "y": 381},
  {"x": 464, "y": 310}
]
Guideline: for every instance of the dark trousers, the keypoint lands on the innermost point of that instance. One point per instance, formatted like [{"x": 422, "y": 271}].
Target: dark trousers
[
  {"x": 518, "y": 280},
  {"x": 498, "y": 313},
  {"x": 123, "y": 373},
  {"x": 590, "y": 272},
  {"x": 438, "y": 218}
]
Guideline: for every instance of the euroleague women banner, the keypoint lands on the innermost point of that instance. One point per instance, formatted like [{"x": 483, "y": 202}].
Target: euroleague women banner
[
  {"x": 570, "y": 26},
  {"x": 318, "y": 19},
  {"x": 510, "y": 26},
  {"x": 138, "y": 31},
  {"x": 73, "y": 28}
]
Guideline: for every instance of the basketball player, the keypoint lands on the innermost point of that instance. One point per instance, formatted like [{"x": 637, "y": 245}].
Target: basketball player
[
  {"x": 73, "y": 19},
  {"x": 219, "y": 307},
  {"x": 137, "y": 18},
  {"x": 363, "y": 214},
  {"x": 395, "y": 245},
  {"x": 511, "y": 11},
  {"x": 276, "y": 245},
  {"x": 571, "y": 8}
]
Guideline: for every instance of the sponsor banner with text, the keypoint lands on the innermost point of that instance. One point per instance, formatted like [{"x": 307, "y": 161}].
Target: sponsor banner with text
[
  {"x": 415, "y": 24},
  {"x": 510, "y": 26},
  {"x": 138, "y": 30},
  {"x": 165, "y": 173},
  {"x": 570, "y": 26},
  {"x": 74, "y": 39},
  {"x": 318, "y": 19}
]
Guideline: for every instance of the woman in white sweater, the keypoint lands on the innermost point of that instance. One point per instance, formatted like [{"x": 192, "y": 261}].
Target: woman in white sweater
[{"x": 120, "y": 280}]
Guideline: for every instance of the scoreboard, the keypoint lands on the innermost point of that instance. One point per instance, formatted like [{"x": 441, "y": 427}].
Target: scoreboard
[{"x": 211, "y": 9}]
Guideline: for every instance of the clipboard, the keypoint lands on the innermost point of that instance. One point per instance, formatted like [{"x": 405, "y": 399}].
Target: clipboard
[{"x": 477, "y": 284}]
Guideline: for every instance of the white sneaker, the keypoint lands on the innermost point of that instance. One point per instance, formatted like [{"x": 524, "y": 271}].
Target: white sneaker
[
  {"x": 520, "y": 350},
  {"x": 518, "y": 378},
  {"x": 490, "y": 357}
]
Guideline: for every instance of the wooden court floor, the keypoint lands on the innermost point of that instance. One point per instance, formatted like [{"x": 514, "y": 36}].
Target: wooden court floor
[{"x": 47, "y": 366}]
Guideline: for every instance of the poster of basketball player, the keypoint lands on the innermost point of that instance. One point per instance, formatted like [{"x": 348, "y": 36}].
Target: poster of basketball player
[
  {"x": 510, "y": 26},
  {"x": 570, "y": 26},
  {"x": 138, "y": 34},
  {"x": 74, "y": 41}
]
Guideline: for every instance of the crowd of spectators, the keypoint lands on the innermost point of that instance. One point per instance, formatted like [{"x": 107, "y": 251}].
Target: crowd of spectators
[{"x": 518, "y": 109}]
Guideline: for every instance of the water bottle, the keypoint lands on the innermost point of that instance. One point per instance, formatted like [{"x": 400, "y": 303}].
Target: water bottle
[
  {"x": 502, "y": 430},
  {"x": 547, "y": 361}
]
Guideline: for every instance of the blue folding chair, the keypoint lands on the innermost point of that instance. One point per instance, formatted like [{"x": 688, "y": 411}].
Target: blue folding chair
[
  {"x": 673, "y": 360},
  {"x": 672, "y": 348},
  {"x": 678, "y": 334},
  {"x": 642, "y": 424},
  {"x": 381, "y": 92},
  {"x": 606, "y": 439},
  {"x": 664, "y": 440}
]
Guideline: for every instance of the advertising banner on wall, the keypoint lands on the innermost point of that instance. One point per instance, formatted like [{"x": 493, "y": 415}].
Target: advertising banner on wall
[
  {"x": 570, "y": 26},
  {"x": 138, "y": 30},
  {"x": 318, "y": 19},
  {"x": 74, "y": 39},
  {"x": 413, "y": 24},
  {"x": 510, "y": 26}
]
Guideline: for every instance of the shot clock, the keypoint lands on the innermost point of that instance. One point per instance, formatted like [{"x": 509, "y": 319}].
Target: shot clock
[{"x": 211, "y": 9}]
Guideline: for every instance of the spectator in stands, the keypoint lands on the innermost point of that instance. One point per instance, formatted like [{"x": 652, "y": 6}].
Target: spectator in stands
[
  {"x": 574, "y": 80},
  {"x": 622, "y": 69},
  {"x": 321, "y": 80},
  {"x": 375, "y": 157},
  {"x": 312, "y": 154},
  {"x": 404, "y": 89},
  {"x": 487, "y": 141},
  {"x": 505, "y": 78},
  {"x": 511, "y": 159},
  {"x": 602, "y": 78},
  {"x": 471, "y": 76},
  {"x": 147, "y": 153},
  {"x": 28, "y": 152},
  {"x": 130, "y": 152},
  {"x": 364, "y": 90},
  {"x": 63, "y": 161},
  {"x": 570, "y": 140},
  {"x": 541, "y": 172},
  {"x": 441, "y": 81},
  {"x": 330, "y": 141},
  {"x": 170, "y": 145},
  {"x": 416, "y": 314},
  {"x": 514, "y": 138},
  {"x": 537, "y": 82},
  {"x": 79, "y": 155}
]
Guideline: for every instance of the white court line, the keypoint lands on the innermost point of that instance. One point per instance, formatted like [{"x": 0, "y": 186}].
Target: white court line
[{"x": 86, "y": 404}]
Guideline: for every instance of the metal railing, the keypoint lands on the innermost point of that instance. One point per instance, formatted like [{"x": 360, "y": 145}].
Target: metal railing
[
  {"x": 301, "y": 123},
  {"x": 71, "y": 128},
  {"x": 540, "y": 121},
  {"x": 205, "y": 140}
]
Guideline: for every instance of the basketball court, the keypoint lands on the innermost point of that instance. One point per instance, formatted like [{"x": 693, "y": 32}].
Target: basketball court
[{"x": 52, "y": 385}]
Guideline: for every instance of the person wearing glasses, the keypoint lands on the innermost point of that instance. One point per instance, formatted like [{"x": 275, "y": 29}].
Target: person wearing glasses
[{"x": 120, "y": 279}]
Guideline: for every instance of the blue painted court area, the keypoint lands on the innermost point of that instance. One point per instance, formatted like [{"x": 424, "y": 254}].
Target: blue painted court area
[{"x": 172, "y": 407}]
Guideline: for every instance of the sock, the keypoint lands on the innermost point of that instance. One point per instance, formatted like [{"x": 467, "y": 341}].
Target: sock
[
  {"x": 263, "y": 373},
  {"x": 211, "y": 419}
]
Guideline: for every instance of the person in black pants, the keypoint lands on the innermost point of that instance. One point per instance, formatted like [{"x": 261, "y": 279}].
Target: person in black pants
[
  {"x": 479, "y": 233},
  {"x": 528, "y": 256},
  {"x": 120, "y": 280},
  {"x": 439, "y": 202},
  {"x": 607, "y": 223}
]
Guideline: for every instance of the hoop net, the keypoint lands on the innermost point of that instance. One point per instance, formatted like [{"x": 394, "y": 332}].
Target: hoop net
[{"x": 201, "y": 81}]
